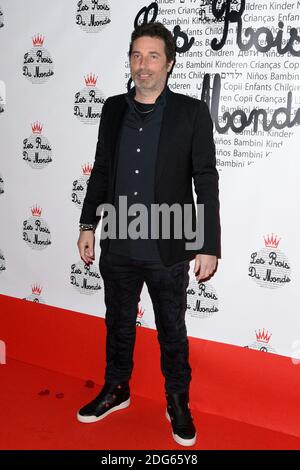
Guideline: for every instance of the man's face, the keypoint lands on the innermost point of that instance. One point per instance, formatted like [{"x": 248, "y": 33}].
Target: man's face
[{"x": 148, "y": 64}]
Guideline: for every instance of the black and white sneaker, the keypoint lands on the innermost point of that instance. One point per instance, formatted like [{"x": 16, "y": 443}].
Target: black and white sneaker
[
  {"x": 179, "y": 415},
  {"x": 111, "y": 398}
]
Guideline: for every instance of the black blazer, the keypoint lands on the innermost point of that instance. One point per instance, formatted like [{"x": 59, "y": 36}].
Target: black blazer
[{"x": 186, "y": 153}]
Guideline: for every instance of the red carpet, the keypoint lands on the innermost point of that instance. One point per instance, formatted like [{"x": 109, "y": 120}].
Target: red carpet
[
  {"x": 31, "y": 421},
  {"x": 242, "y": 399}
]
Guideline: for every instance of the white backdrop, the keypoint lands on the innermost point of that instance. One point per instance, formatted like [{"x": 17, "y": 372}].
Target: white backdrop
[{"x": 61, "y": 60}]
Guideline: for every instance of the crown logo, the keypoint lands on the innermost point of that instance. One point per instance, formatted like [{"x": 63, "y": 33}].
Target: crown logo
[
  {"x": 263, "y": 336},
  {"x": 87, "y": 169},
  {"x": 90, "y": 80},
  {"x": 36, "y": 211},
  {"x": 36, "y": 289},
  {"x": 271, "y": 241},
  {"x": 36, "y": 128},
  {"x": 38, "y": 40},
  {"x": 140, "y": 312}
]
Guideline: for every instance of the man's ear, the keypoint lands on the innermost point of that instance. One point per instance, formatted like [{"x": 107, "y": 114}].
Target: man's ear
[{"x": 170, "y": 65}]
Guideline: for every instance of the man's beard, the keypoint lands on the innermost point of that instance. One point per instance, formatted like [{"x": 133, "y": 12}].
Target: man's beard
[{"x": 146, "y": 84}]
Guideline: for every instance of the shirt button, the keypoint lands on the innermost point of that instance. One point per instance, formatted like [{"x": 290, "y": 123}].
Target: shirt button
[
  {"x": 140, "y": 129},
  {"x": 138, "y": 150},
  {"x": 135, "y": 193},
  {"x": 137, "y": 171}
]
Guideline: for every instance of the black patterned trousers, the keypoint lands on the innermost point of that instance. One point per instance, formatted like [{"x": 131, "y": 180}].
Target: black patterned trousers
[{"x": 123, "y": 281}]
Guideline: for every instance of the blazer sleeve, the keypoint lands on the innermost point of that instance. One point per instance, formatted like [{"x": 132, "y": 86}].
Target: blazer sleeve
[
  {"x": 98, "y": 183},
  {"x": 206, "y": 179}
]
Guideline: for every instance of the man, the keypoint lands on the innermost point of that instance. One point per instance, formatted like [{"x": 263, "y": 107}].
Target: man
[{"x": 152, "y": 144}]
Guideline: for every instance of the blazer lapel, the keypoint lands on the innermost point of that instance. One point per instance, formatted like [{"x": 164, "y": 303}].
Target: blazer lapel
[
  {"x": 168, "y": 125},
  {"x": 115, "y": 129},
  {"x": 116, "y": 123}
]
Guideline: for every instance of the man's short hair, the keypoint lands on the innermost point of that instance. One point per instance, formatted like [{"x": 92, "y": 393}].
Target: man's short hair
[{"x": 156, "y": 30}]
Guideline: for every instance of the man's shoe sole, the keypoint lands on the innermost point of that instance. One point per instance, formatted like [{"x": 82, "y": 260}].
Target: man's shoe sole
[
  {"x": 180, "y": 440},
  {"x": 94, "y": 419}
]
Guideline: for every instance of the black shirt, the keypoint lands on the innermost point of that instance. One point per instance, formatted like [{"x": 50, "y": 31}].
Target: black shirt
[{"x": 138, "y": 145}]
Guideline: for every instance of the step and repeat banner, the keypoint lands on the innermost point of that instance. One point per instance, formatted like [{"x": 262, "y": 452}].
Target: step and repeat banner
[{"x": 61, "y": 60}]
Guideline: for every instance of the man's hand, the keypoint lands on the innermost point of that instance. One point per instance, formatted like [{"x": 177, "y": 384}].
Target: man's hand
[
  {"x": 205, "y": 265},
  {"x": 85, "y": 245}
]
